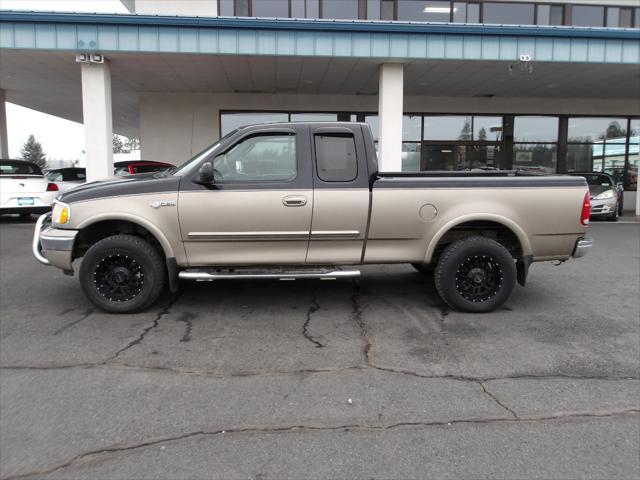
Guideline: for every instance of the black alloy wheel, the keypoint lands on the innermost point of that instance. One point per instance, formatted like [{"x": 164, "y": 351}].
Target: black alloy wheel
[
  {"x": 123, "y": 274},
  {"x": 475, "y": 274}
]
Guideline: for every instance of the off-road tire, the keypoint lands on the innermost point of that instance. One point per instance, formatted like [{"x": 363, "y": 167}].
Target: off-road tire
[
  {"x": 142, "y": 265},
  {"x": 425, "y": 268},
  {"x": 491, "y": 258}
]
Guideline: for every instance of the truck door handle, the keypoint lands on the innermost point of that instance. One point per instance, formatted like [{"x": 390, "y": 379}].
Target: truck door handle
[{"x": 294, "y": 201}]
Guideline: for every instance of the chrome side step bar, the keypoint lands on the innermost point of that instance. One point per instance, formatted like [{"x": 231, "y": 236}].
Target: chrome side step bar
[{"x": 201, "y": 275}]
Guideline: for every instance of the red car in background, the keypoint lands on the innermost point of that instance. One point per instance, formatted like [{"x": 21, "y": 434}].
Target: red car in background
[{"x": 131, "y": 167}]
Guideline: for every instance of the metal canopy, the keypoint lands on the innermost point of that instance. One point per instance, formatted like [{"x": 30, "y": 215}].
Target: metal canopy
[{"x": 398, "y": 41}]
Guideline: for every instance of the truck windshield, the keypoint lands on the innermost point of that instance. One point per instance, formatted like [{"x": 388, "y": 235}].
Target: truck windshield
[{"x": 189, "y": 165}]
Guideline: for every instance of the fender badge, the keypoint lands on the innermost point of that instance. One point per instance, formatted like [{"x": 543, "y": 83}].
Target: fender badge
[{"x": 158, "y": 204}]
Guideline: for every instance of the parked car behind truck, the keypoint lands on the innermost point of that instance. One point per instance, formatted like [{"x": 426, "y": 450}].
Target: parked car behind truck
[
  {"x": 24, "y": 189},
  {"x": 306, "y": 200}
]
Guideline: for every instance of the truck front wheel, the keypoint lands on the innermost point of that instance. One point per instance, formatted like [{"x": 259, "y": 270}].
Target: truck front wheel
[
  {"x": 122, "y": 274},
  {"x": 475, "y": 274}
]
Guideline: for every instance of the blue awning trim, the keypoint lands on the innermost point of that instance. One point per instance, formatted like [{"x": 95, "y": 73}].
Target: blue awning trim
[{"x": 320, "y": 25}]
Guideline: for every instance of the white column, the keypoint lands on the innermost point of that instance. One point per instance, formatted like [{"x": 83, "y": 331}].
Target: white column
[
  {"x": 4, "y": 146},
  {"x": 96, "y": 111},
  {"x": 390, "y": 116}
]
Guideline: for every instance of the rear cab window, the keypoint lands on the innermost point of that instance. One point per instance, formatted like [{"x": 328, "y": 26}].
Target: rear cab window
[
  {"x": 12, "y": 167},
  {"x": 336, "y": 158}
]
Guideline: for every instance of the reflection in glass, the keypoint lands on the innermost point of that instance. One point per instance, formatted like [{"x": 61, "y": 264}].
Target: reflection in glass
[
  {"x": 270, "y": 8},
  {"x": 461, "y": 157},
  {"x": 374, "y": 124},
  {"x": 411, "y": 157},
  {"x": 631, "y": 178},
  {"x": 508, "y": 13},
  {"x": 411, "y": 127},
  {"x": 589, "y": 129},
  {"x": 424, "y": 11},
  {"x": 231, "y": 121},
  {"x": 579, "y": 158},
  {"x": 447, "y": 127},
  {"x": 340, "y": 9},
  {"x": 549, "y": 15},
  {"x": 487, "y": 128},
  {"x": 540, "y": 158},
  {"x": 587, "y": 16},
  {"x": 535, "y": 129},
  {"x": 466, "y": 12},
  {"x": 314, "y": 117}
]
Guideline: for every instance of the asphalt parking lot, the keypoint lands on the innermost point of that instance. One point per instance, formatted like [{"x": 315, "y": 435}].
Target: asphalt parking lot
[{"x": 372, "y": 378}]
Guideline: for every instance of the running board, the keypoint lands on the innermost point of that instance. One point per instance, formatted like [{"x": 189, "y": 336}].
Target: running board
[{"x": 249, "y": 274}]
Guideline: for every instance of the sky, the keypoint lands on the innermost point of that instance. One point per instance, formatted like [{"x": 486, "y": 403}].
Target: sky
[{"x": 60, "y": 139}]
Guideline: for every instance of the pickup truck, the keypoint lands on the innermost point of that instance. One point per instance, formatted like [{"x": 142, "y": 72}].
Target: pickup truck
[{"x": 306, "y": 200}]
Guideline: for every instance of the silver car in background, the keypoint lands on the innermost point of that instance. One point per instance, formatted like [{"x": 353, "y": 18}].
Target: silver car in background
[{"x": 606, "y": 195}]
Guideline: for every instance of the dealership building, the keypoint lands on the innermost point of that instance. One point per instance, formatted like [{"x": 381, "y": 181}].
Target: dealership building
[{"x": 547, "y": 87}]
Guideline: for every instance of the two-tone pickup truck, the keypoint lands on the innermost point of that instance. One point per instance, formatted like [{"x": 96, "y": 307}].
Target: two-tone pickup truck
[{"x": 306, "y": 200}]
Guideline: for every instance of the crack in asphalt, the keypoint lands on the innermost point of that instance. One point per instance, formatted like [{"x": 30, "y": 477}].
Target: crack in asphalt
[
  {"x": 254, "y": 373},
  {"x": 314, "y": 307},
  {"x": 164, "y": 311},
  {"x": 316, "y": 428},
  {"x": 356, "y": 315},
  {"x": 495, "y": 399},
  {"x": 87, "y": 313},
  {"x": 187, "y": 319}
]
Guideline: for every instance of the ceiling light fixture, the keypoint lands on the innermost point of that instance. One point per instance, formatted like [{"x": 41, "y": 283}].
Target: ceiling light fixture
[{"x": 438, "y": 9}]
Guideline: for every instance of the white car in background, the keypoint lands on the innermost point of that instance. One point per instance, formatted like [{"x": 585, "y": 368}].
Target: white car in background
[
  {"x": 67, "y": 178},
  {"x": 24, "y": 189}
]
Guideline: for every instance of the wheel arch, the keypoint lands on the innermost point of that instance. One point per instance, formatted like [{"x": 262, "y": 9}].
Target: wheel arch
[
  {"x": 480, "y": 222},
  {"x": 101, "y": 226}
]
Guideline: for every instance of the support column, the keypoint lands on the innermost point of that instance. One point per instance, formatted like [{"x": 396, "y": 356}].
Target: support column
[
  {"x": 98, "y": 126},
  {"x": 390, "y": 96},
  {"x": 4, "y": 146}
]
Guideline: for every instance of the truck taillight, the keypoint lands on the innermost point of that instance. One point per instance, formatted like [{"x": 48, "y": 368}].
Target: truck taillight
[
  {"x": 52, "y": 187},
  {"x": 586, "y": 210}
]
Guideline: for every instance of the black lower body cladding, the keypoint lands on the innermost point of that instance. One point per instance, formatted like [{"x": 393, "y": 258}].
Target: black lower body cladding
[
  {"x": 475, "y": 274},
  {"x": 123, "y": 274}
]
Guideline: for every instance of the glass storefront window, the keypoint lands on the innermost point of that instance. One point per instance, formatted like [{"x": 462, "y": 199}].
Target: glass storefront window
[
  {"x": 466, "y": 13},
  {"x": 339, "y": 9},
  {"x": 424, "y": 11},
  {"x": 588, "y": 129},
  {"x": 314, "y": 117},
  {"x": 387, "y": 8},
  {"x": 539, "y": 158},
  {"x": 535, "y": 129},
  {"x": 231, "y": 121},
  {"x": 461, "y": 157},
  {"x": 508, "y": 13},
  {"x": 374, "y": 124},
  {"x": 619, "y": 17},
  {"x": 373, "y": 10},
  {"x": 411, "y": 128},
  {"x": 487, "y": 128},
  {"x": 226, "y": 8},
  {"x": 447, "y": 127},
  {"x": 270, "y": 8},
  {"x": 411, "y": 157},
  {"x": 579, "y": 157},
  {"x": 631, "y": 178},
  {"x": 587, "y": 16},
  {"x": 549, "y": 14}
]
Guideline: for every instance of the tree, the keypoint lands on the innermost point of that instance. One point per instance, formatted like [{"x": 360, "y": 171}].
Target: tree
[
  {"x": 118, "y": 144},
  {"x": 32, "y": 151},
  {"x": 614, "y": 130},
  {"x": 132, "y": 144}
]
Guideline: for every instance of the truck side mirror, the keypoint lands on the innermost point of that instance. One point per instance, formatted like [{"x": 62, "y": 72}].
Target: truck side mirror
[{"x": 205, "y": 174}]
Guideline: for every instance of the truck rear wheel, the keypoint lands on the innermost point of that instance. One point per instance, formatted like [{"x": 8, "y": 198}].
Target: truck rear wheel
[
  {"x": 475, "y": 274},
  {"x": 122, "y": 274}
]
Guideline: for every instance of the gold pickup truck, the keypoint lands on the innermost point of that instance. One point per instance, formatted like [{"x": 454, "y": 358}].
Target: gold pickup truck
[{"x": 306, "y": 200}]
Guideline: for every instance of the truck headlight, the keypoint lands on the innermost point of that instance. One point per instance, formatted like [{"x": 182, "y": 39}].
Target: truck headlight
[
  {"x": 604, "y": 195},
  {"x": 61, "y": 214}
]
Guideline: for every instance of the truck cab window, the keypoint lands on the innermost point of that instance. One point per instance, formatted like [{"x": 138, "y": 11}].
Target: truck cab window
[
  {"x": 336, "y": 157},
  {"x": 260, "y": 158}
]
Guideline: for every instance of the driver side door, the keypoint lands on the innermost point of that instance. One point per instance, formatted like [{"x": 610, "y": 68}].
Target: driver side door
[{"x": 258, "y": 211}]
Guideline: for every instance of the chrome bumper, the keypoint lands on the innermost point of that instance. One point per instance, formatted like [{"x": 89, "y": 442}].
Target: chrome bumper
[
  {"x": 583, "y": 246},
  {"x": 52, "y": 246}
]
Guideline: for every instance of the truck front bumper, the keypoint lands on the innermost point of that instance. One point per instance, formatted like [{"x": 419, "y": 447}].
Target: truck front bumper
[
  {"x": 583, "y": 245},
  {"x": 53, "y": 246}
]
